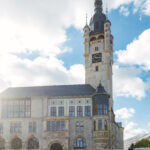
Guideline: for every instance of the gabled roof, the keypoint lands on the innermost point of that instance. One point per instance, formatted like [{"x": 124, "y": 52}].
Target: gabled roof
[{"x": 49, "y": 91}]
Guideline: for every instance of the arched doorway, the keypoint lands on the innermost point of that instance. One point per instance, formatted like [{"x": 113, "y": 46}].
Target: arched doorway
[
  {"x": 16, "y": 143},
  {"x": 56, "y": 146},
  {"x": 33, "y": 143}
]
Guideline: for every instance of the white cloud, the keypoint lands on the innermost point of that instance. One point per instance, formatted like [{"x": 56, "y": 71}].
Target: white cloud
[
  {"x": 124, "y": 11},
  {"x": 132, "y": 130},
  {"x": 41, "y": 71},
  {"x": 124, "y": 113},
  {"x": 40, "y": 26},
  {"x": 146, "y": 8},
  {"x": 137, "y": 52},
  {"x": 114, "y": 4},
  {"x": 143, "y": 6},
  {"x": 127, "y": 83},
  {"x": 148, "y": 124}
]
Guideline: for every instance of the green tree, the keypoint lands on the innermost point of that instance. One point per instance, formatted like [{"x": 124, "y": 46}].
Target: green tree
[
  {"x": 132, "y": 147},
  {"x": 140, "y": 144}
]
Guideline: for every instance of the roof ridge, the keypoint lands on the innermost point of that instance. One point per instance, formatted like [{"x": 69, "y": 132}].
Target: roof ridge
[
  {"x": 48, "y": 86},
  {"x": 51, "y": 91}
]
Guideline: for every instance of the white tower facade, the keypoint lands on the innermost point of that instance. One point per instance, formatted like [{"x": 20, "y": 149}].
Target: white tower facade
[{"x": 98, "y": 50}]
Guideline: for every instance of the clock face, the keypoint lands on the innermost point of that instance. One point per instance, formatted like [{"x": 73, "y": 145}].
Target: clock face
[{"x": 97, "y": 58}]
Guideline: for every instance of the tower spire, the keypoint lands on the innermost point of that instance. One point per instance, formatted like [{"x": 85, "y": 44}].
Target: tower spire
[
  {"x": 107, "y": 13},
  {"x": 86, "y": 19},
  {"x": 98, "y": 6},
  {"x": 106, "y": 9}
]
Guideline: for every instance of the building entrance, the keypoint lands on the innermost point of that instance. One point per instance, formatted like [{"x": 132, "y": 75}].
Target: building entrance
[{"x": 56, "y": 146}]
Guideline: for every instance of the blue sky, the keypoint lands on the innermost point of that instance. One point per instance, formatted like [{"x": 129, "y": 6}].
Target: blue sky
[
  {"x": 41, "y": 41},
  {"x": 124, "y": 29}
]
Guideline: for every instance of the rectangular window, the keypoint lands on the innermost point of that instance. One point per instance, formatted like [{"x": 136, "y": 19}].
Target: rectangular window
[
  {"x": 96, "y": 68},
  {"x": 71, "y": 111},
  {"x": 32, "y": 127},
  {"x": 28, "y": 108},
  {"x": 53, "y": 111},
  {"x": 99, "y": 125},
  {"x": 99, "y": 109},
  {"x": 102, "y": 109},
  {"x": 49, "y": 108},
  {"x": 79, "y": 111},
  {"x": 16, "y": 108},
  {"x": 15, "y": 128},
  {"x": 61, "y": 111},
  {"x": 105, "y": 109},
  {"x": 62, "y": 125},
  {"x": 79, "y": 126},
  {"x": 56, "y": 126},
  {"x": 88, "y": 111}
]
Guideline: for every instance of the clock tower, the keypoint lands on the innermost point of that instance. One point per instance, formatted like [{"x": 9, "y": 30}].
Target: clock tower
[{"x": 98, "y": 50}]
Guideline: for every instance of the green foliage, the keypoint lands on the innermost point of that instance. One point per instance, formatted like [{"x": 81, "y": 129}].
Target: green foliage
[
  {"x": 132, "y": 147},
  {"x": 140, "y": 144},
  {"x": 143, "y": 143}
]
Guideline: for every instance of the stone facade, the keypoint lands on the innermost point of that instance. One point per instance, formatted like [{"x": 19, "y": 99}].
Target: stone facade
[
  {"x": 67, "y": 117},
  {"x": 95, "y": 139}
]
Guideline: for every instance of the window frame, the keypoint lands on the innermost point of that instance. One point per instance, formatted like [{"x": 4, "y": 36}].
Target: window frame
[
  {"x": 53, "y": 111},
  {"x": 100, "y": 109},
  {"x": 79, "y": 111},
  {"x": 87, "y": 111},
  {"x": 15, "y": 127},
  {"x": 79, "y": 143},
  {"x": 100, "y": 125},
  {"x": 71, "y": 111},
  {"x": 61, "y": 111},
  {"x": 32, "y": 127},
  {"x": 16, "y": 108},
  {"x": 56, "y": 126},
  {"x": 96, "y": 68}
]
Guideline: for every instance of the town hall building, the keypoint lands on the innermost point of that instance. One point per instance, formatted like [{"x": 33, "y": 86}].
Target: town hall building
[{"x": 67, "y": 117}]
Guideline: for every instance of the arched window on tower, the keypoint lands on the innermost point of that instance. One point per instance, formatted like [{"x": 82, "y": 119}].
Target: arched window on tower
[
  {"x": 16, "y": 143},
  {"x": 79, "y": 143},
  {"x": 33, "y": 143},
  {"x": 96, "y": 68},
  {"x": 2, "y": 144}
]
